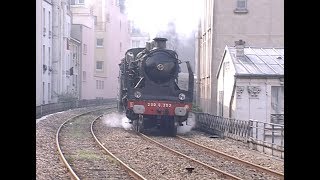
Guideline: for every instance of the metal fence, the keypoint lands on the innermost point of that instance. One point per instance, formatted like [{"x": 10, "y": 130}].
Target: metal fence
[
  {"x": 46, "y": 109},
  {"x": 262, "y": 136}
]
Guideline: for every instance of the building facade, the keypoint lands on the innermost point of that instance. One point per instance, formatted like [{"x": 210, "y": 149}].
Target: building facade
[
  {"x": 43, "y": 51},
  {"x": 260, "y": 23},
  {"x": 83, "y": 30},
  {"x": 61, "y": 29},
  {"x": 110, "y": 40},
  {"x": 137, "y": 37},
  {"x": 75, "y": 63},
  {"x": 38, "y": 53}
]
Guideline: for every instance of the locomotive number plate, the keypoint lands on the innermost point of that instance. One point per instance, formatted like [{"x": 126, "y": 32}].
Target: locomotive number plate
[{"x": 159, "y": 105}]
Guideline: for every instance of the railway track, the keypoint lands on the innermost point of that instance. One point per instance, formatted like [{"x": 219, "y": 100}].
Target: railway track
[
  {"x": 232, "y": 158},
  {"x": 147, "y": 158},
  {"x": 85, "y": 159},
  {"x": 219, "y": 162},
  {"x": 92, "y": 159}
]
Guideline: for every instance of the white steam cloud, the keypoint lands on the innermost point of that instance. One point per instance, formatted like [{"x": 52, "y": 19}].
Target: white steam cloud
[
  {"x": 187, "y": 125},
  {"x": 153, "y": 16},
  {"x": 120, "y": 120},
  {"x": 117, "y": 120}
]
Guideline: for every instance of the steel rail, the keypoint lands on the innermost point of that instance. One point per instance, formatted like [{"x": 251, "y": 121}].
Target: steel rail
[
  {"x": 61, "y": 156},
  {"x": 192, "y": 159},
  {"x": 269, "y": 171},
  {"x": 130, "y": 171}
]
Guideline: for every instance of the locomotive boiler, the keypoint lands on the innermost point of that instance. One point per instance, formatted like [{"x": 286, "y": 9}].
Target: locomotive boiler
[{"x": 149, "y": 93}]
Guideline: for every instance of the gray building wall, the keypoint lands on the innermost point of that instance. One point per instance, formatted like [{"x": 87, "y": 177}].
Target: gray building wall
[{"x": 262, "y": 25}]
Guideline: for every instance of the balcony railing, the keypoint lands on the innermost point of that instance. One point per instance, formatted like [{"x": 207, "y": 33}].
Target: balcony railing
[{"x": 277, "y": 119}]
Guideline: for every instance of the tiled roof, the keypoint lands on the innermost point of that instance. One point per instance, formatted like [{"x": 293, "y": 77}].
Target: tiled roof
[{"x": 259, "y": 61}]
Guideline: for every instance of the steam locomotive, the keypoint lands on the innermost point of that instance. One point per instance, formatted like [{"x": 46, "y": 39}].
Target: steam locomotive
[{"x": 148, "y": 88}]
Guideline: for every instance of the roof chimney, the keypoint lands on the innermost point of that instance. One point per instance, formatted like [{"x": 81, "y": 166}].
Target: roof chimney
[
  {"x": 160, "y": 43},
  {"x": 239, "y": 48}
]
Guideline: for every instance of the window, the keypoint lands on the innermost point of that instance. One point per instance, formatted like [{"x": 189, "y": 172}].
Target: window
[
  {"x": 99, "y": 65},
  {"x": 77, "y": 2},
  {"x": 49, "y": 20},
  {"x": 99, "y": 42},
  {"x": 135, "y": 43},
  {"x": 76, "y": 82},
  {"x": 277, "y": 104},
  {"x": 44, "y": 22},
  {"x": 108, "y": 17},
  {"x": 43, "y": 56},
  {"x": 84, "y": 77},
  {"x": 99, "y": 84},
  {"x": 84, "y": 49},
  {"x": 277, "y": 99},
  {"x": 241, "y": 6},
  {"x": 49, "y": 59},
  {"x": 95, "y": 20},
  {"x": 68, "y": 44},
  {"x": 49, "y": 97},
  {"x": 43, "y": 88}
]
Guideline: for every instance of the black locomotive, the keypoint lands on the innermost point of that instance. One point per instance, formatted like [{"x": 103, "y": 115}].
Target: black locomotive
[{"x": 148, "y": 88}]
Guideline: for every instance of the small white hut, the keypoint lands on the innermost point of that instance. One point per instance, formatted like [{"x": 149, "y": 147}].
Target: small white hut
[{"x": 251, "y": 83}]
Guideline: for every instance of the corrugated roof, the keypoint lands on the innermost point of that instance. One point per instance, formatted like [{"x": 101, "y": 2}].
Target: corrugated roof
[{"x": 259, "y": 61}]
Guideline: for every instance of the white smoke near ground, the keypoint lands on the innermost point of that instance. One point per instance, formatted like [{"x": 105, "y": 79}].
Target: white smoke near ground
[
  {"x": 117, "y": 120},
  {"x": 187, "y": 125}
]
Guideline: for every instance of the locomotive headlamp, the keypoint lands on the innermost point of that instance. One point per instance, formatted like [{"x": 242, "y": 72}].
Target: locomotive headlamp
[
  {"x": 182, "y": 96},
  {"x": 137, "y": 94}
]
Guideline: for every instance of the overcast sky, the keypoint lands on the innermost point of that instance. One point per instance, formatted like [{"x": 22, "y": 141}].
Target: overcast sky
[{"x": 153, "y": 15}]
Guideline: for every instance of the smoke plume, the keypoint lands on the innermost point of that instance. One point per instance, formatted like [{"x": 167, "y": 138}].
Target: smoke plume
[
  {"x": 187, "y": 125},
  {"x": 117, "y": 120}
]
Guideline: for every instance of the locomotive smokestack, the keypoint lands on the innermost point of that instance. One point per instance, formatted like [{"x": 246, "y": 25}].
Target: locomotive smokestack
[{"x": 160, "y": 43}]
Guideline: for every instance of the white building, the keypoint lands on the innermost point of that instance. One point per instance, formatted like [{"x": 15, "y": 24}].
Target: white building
[
  {"x": 38, "y": 53},
  {"x": 61, "y": 28},
  {"x": 251, "y": 83},
  {"x": 43, "y": 51},
  {"x": 138, "y": 38},
  {"x": 116, "y": 40},
  {"x": 75, "y": 63},
  {"x": 83, "y": 30},
  {"x": 106, "y": 39}
]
